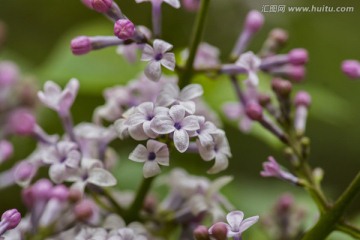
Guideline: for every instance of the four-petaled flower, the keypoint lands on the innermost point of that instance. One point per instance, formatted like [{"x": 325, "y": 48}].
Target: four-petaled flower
[
  {"x": 251, "y": 63},
  {"x": 176, "y": 122},
  {"x": 236, "y": 223},
  {"x": 157, "y": 56},
  {"x": 152, "y": 155}
]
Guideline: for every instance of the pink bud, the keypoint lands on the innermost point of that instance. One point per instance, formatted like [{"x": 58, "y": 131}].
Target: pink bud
[
  {"x": 191, "y": 5},
  {"x": 21, "y": 122},
  {"x": 219, "y": 231},
  {"x": 81, "y": 45},
  {"x": 302, "y": 98},
  {"x": 60, "y": 192},
  {"x": 24, "y": 171},
  {"x": 9, "y": 74},
  {"x": 201, "y": 233},
  {"x": 284, "y": 203},
  {"x": 42, "y": 189},
  {"x": 351, "y": 68},
  {"x": 101, "y": 6},
  {"x": 254, "y": 111},
  {"x": 87, "y": 3},
  {"x": 281, "y": 87},
  {"x": 12, "y": 217},
  {"x": 84, "y": 210},
  {"x": 124, "y": 29},
  {"x": 279, "y": 35},
  {"x": 298, "y": 56},
  {"x": 254, "y": 21},
  {"x": 6, "y": 150},
  {"x": 296, "y": 73}
]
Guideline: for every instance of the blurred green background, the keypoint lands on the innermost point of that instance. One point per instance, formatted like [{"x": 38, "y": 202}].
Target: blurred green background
[{"x": 38, "y": 38}]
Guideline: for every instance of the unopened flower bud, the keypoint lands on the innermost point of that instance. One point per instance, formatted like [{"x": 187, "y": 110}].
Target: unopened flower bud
[
  {"x": 254, "y": 21},
  {"x": 24, "y": 172},
  {"x": 124, "y": 29},
  {"x": 280, "y": 36},
  {"x": 281, "y": 87},
  {"x": 60, "y": 192},
  {"x": 351, "y": 68},
  {"x": 21, "y": 122},
  {"x": 201, "y": 233},
  {"x": 298, "y": 56},
  {"x": 293, "y": 72},
  {"x": 9, "y": 220},
  {"x": 318, "y": 174},
  {"x": 264, "y": 99},
  {"x": 150, "y": 204},
  {"x": 81, "y": 45},
  {"x": 302, "y": 98},
  {"x": 6, "y": 150},
  {"x": 284, "y": 204},
  {"x": 42, "y": 189},
  {"x": 83, "y": 210},
  {"x": 101, "y": 6},
  {"x": 191, "y": 5},
  {"x": 87, "y": 3},
  {"x": 254, "y": 111},
  {"x": 219, "y": 231},
  {"x": 9, "y": 74}
]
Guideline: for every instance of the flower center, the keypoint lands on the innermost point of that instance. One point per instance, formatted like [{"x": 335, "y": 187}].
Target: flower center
[
  {"x": 158, "y": 56},
  {"x": 177, "y": 126},
  {"x": 151, "y": 156},
  {"x": 149, "y": 117}
]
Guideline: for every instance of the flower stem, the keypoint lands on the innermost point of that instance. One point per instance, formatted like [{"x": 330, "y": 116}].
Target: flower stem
[
  {"x": 327, "y": 222},
  {"x": 133, "y": 212},
  {"x": 349, "y": 229},
  {"x": 198, "y": 30}
]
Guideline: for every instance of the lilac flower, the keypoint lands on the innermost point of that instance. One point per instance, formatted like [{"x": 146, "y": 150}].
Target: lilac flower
[
  {"x": 207, "y": 56},
  {"x": 218, "y": 150},
  {"x": 127, "y": 234},
  {"x": 157, "y": 56},
  {"x": 171, "y": 94},
  {"x": 236, "y": 223},
  {"x": 351, "y": 68},
  {"x": 91, "y": 171},
  {"x": 91, "y": 233},
  {"x": 204, "y": 133},
  {"x": 178, "y": 124},
  {"x": 152, "y": 155},
  {"x": 273, "y": 169},
  {"x": 60, "y": 101},
  {"x": 173, "y": 3},
  {"x": 251, "y": 63},
  {"x": 62, "y": 157}
]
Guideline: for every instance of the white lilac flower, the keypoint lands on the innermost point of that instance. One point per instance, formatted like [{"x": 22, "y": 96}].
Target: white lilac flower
[
  {"x": 127, "y": 234},
  {"x": 156, "y": 56},
  {"x": 171, "y": 94},
  {"x": 62, "y": 157},
  {"x": 207, "y": 56},
  {"x": 236, "y": 223},
  {"x": 179, "y": 124},
  {"x": 154, "y": 154},
  {"x": 251, "y": 63},
  {"x": 205, "y": 132},
  {"x": 203, "y": 109},
  {"x": 57, "y": 99},
  {"x": 88, "y": 233},
  {"x": 91, "y": 171},
  {"x": 140, "y": 120},
  {"x": 219, "y": 150},
  {"x": 173, "y": 3}
]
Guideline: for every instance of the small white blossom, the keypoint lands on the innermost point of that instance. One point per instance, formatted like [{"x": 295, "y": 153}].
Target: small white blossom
[
  {"x": 152, "y": 155},
  {"x": 251, "y": 63},
  {"x": 157, "y": 56}
]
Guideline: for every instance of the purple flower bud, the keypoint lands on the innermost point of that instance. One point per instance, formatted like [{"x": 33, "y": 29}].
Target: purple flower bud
[
  {"x": 254, "y": 111},
  {"x": 285, "y": 203},
  {"x": 87, "y": 3},
  {"x": 191, "y": 5},
  {"x": 74, "y": 195},
  {"x": 281, "y": 87},
  {"x": 101, "y": 6},
  {"x": 351, "y": 68},
  {"x": 279, "y": 35},
  {"x": 254, "y": 21},
  {"x": 298, "y": 56},
  {"x": 9, "y": 73},
  {"x": 11, "y": 218},
  {"x": 60, "y": 192},
  {"x": 42, "y": 189},
  {"x": 296, "y": 73},
  {"x": 124, "y": 29},
  {"x": 27, "y": 197},
  {"x": 219, "y": 231},
  {"x": 24, "y": 172},
  {"x": 264, "y": 99},
  {"x": 81, "y": 45},
  {"x": 302, "y": 98},
  {"x": 201, "y": 233},
  {"x": 273, "y": 169},
  {"x": 22, "y": 122},
  {"x": 84, "y": 210},
  {"x": 6, "y": 150}
]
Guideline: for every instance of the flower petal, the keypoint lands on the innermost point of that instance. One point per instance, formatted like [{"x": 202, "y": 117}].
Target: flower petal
[
  {"x": 153, "y": 70},
  {"x": 190, "y": 123},
  {"x": 168, "y": 61},
  {"x": 101, "y": 177},
  {"x": 148, "y": 53},
  {"x": 162, "y": 125},
  {"x": 137, "y": 133},
  {"x": 151, "y": 168},
  {"x": 181, "y": 140},
  {"x": 189, "y": 106},
  {"x": 57, "y": 173},
  {"x": 140, "y": 154},
  {"x": 191, "y": 91},
  {"x": 221, "y": 163},
  {"x": 234, "y": 219},
  {"x": 173, "y": 3},
  {"x": 161, "y": 46},
  {"x": 177, "y": 113},
  {"x": 248, "y": 223}
]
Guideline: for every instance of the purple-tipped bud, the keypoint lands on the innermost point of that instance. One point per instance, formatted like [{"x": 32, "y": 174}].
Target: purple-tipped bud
[
  {"x": 27, "y": 197},
  {"x": 60, "y": 192},
  {"x": 351, "y": 68},
  {"x": 298, "y": 56},
  {"x": 21, "y": 122},
  {"x": 24, "y": 172},
  {"x": 42, "y": 189},
  {"x": 11, "y": 218},
  {"x": 296, "y": 73},
  {"x": 87, "y": 3},
  {"x": 84, "y": 210},
  {"x": 254, "y": 111},
  {"x": 101, "y": 6},
  {"x": 302, "y": 99},
  {"x": 74, "y": 195},
  {"x": 191, "y": 5},
  {"x": 281, "y": 87},
  {"x": 280, "y": 36},
  {"x": 124, "y": 29},
  {"x": 219, "y": 231},
  {"x": 254, "y": 21},
  {"x": 201, "y": 233},
  {"x": 6, "y": 150},
  {"x": 264, "y": 99},
  {"x": 285, "y": 203},
  {"x": 9, "y": 74},
  {"x": 81, "y": 45}
]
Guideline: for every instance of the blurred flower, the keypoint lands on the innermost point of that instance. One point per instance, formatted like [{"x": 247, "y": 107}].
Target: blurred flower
[
  {"x": 251, "y": 63},
  {"x": 351, "y": 68},
  {"x": 273, "y": 169},
  {"x": 173, "y": 3}
]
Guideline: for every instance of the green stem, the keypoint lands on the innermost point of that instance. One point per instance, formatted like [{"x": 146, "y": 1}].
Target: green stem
[
  {"x": 198, "y": 30},
  {"x": 133, "y": 212},
  {"x": 328, "y": 221},
  {"x": 349, "y": 230}
]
